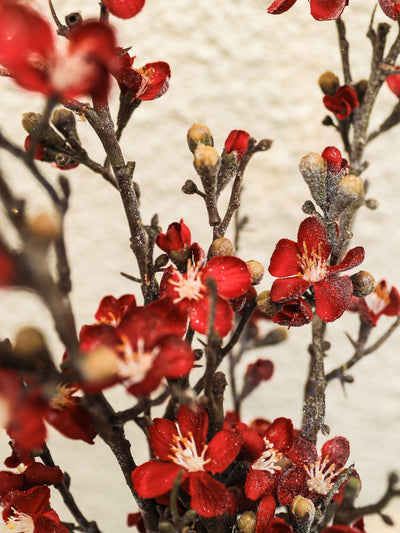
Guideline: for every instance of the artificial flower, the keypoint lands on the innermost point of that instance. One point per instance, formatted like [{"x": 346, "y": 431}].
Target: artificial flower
[
  {"x": 320, "y": 9},
  {"x": 237, "y": 141},
  {"x": 342, "y": 103},
  {"x": 334, "y": 160},
  {"x": 304, "y": 264},
  {"x": 111, "y": 310},
  {"x": 381, "y": 301},
  {"x": 293, "y": 314},
  {"x": 181, "y": 446},
  {"x": 177, "y": 243}
]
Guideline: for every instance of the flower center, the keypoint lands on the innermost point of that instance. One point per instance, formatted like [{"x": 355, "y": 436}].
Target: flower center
[
  {"x": 378, "y": 300},
  {"x": 185, "y": 453},
  {"x": 135, "y": 364},
  {"x": 147, "y": 75},
  {"x": 63, "y": 397},
  {"x": 268, "y": 460},
  {"x": 19, "y": 523},
  {"x": 313, "y": 267},
  {"x": 321, "y": 482},
  {"x": 188, "y": 286}
]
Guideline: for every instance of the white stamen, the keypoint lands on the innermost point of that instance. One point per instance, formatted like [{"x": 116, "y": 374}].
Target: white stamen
[
  {"x": 185, "y": 453},
  {"x": 18, "y": 523},
  {"x": 189, "y": 285},
  {"x": 135, "y": 364},
  {"x": 321, "y": 482},
  {"x": 313, "y": 267},
  {"x": 268, "y": 460}
]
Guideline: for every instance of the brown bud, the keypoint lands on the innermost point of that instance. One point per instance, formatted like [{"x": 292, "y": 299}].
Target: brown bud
[
  {"x": 371, "y": 203},
  {"x": 328, "y": 82},
  {"x": 246, "y": 522},
  {"x": 302, "y": 509},
  {"x": 198, "y": 134},
  {"x": 265, "y": 304},
  {"x": 30, "y": 121},
  {"x": 64, "y": 120},
  {"x": 29, "y": 342},
  {"x": 363, "y": 283},
  {"x": 313, "y": 169},
  {"x": 44, "y": 227},
  {"x": 351, "y": 185},
  {"x": 222, "y": 246},
  {"x": 48, "y": 135},
  {"x": 256, "y": 271},
  {"x": 189, "y": 187},
  {"x": 206, "y": 158}
]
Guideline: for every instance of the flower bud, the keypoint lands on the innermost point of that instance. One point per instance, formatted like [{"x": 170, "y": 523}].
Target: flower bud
[
  {"x": 222, "y": 246},
  {"x": 351, "y": 185},
  {"x": 199, "y": 134},
  {"x": 265, "y": 304},
  {"x": 372, "y": 203},
  {"x": 363, "y": 283},
  {"x": 313, "y": 169},
  {"x": 206, "y": 158},
  {"x": 64, "y": 120},
  {"x": 29, "y": 343},
  {"x": 328, "y": 82},
  {"x": 189, "y": 187},
  {"x": 246, "y": 522},
  {"x": 256, "y": 271},
  {"x": 45, "y": 227},
  {"x": 48, "y": 135},
  {"x": 99, "y": 365},
  {"x": 302, "y": 509}
]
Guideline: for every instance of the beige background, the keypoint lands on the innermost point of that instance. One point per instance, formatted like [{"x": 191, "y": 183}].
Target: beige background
[{"x": 233, "y": 66}]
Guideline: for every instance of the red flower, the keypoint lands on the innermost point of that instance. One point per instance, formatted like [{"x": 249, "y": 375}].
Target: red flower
[
  {"x": 295, "y": 313},
  {"x": 146, "y": 83},
  {"x": 342, "y": 103},
  {"x": 307, "y": 263},
  {"x": 111, "y": 310},
  {"x": 177, "y": 243},
  {"x": 312, "y": 476},
  {"x": 334, "y": 160},
  {"x": 237, "y": 141},
  {"x": 8, "y": 268},
  {"x": 27, "y": 49},
  {"x": 267, "y": 451},
  {"x": 33, "y": 475},
  {"x": 182, "y": 446},
  {"x": 320, "y": 9},
  {"x": 189, "y": 291},
  {"x": 393, "y": 80},
  {"x": 124, "y": 9},
  {"x": 379, "y": 302},
  {"x": 391, "y": 8}
]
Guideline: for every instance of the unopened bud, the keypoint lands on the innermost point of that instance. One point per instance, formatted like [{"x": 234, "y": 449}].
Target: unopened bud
[
  {"x": 328, "y": 82},
  {"x": 199, "y": 134},
  {"x": 45, "y": 227},
  {"x": 302, "y": 509},
  {"x": 256, "y": 271},
  {"x": 30, "y": 121},
  {"x": 371, "y": 203},
  {"x": 29, "y": 342},
  {"x": 73, "y": 19},
  {"x": 99, "y": 365},
  {"x": 161, "y": 261},
  {"x": 265, "y": 304},
  {"x": 64, "y": 120},
  {"x": 351, "y": 185},
  {"x": 189, "y": 187},
  {"x": 246, "y": 522},
  {"x": 363, "y": 283},
  {"x": 206, "y": 158},
  {"x": 222, "y": 246},
  {"x": 48, "y": 135},
  {"x": 313, "y": 169}
]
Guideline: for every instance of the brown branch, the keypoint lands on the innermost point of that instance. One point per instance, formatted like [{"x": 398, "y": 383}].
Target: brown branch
[{"x": 344, "y": 51}]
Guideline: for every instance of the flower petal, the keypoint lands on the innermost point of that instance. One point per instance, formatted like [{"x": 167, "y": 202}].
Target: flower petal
[
  {"x": 124, "y": 9},
  {"x": 353, "y": 258},
  {"x": 337, "y": 450},
  {"x": 162, "y": 433},
  {"x": 194, "y": 422},
  {"x": 222, "y": 450},
  {"x": 154, "y": 478},
  {"x": 312, "y": 236},
  {"x": 287, "y": 289},
  {"x": 292, "y": 483},
  {"x": 208, "y": 497},
  {"x": 285, "y": 259},
  {"x": 259, "y": 482},
  {"x": 332, "y": 297},
  {"x": 280, "y": 6},
  {"x": 265, "y": 511},
  {"x": 231, "y": 274},
  {"x": 200, "y": 315},
  {"x": 327, "y": 9},
  {"x": 280, "y": 433}
]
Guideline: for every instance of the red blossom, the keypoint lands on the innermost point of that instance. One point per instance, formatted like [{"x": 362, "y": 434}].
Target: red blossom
[
  {"x": 342, "y": 103},
  {"x": 295, "y": 313},
  {"x": 111, "y": 310},
  {"x": 124, "y": 9},
  {"x": 304, "y": 264},
  {"x": 391, "y": 8},
  {"x": 334, "y": 160},
  {"x": 182, "y": 446},
  {"x": 189, "y": 291},
  {"x": 237, "y": 141},
  {"x": 381, "y": 301},
  {"x": 33, "y": 475},
  {"x": 28, "y": 50},
  {"x": 177, "y": 243},
  {"x": 320, "y": 9}
]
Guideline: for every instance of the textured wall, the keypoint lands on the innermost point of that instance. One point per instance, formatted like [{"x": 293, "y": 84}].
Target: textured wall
[{"x": 233, "y": 66}]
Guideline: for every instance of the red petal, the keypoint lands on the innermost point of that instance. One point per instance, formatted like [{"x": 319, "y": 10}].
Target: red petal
[
  {"x": 124, "y": 9},
  {"x": 292, "y": 483},
  {"x": 393, "y": 307},
  {"x": 200, "y": 315},
  {"x": 175, "y": 359},
  {"x": 194, "y": 422},
  {"x": 231, "y": 274},
  {"x": 353, "y": 258},
  {"x": 259, "y": 482},
  {"x": 332, "y": 297},
  {"x": 93, "y": 337},
  {"x": 327, "y": 9},
  {"x": 237, "y": 141},
  {"x": 162, "y": 434},
  {"x": 285, "y": 259},
  {"x": 208, "y": 497},
  {"x": 8, "y": 268},
  {"x": 391, "y": 9},
  {"x": 265, "y": 511},
  {"x": 73, "y": 422},
  {"x": 280, "y": 6},
  {"x": 302, "y": 452},
  {"x": 312, "y": 236},
  {"x": 287, "y": 289},
  {"x": 222, "y": 450},
  {"x": 40, "y": 474},
  {"x": 155, "y": 80},
  {"x": 111, "y": 309},
  {"x": 280, "y": 433},
  {"x": 337, "y": 450},
  {"x": 154, "y": 478}
]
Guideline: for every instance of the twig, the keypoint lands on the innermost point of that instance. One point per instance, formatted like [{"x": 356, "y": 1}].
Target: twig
[{"x": 344, "y": 51}]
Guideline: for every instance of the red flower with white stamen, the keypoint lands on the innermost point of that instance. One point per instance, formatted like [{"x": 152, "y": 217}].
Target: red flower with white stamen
[
  {"x": 181, "y": 446},
  {"x": 111, "y": 309},
  {"x": 189, "y": 291},
  {"x": 312, "y": 476},
  {"x": 304, "y": 264},
  {"x": 320, "y": 9},
  {"x": 381, "y": 301}
]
